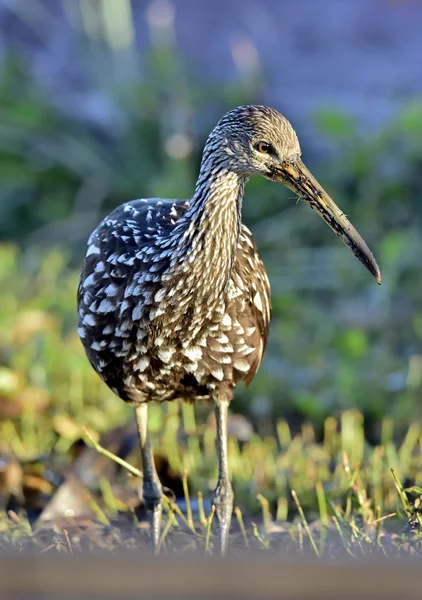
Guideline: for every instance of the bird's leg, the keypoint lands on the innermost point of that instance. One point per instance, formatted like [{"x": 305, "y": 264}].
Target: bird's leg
[
  {"x": 152, "y": 491},
  {"x": 223, "y": 493}
]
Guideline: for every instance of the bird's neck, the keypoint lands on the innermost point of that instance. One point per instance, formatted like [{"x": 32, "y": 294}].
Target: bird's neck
[{"x": 207, "y": 236}]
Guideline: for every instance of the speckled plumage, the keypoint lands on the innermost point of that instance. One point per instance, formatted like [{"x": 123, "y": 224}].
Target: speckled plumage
[{"x": 174, "y": 301}]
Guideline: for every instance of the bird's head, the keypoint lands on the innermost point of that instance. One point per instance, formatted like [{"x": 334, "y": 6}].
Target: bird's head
[{"x": 258, "y": 140}]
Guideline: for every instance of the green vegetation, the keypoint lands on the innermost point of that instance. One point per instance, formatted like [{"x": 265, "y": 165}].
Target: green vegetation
[
  {"x": 344, "y": 355},
  {"x": 338, "y": 497}
]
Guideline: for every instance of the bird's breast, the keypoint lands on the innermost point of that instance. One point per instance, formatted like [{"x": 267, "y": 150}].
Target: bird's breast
[
  {"x": 162, "y": 356},
  {"x": 148, "y": 335}
]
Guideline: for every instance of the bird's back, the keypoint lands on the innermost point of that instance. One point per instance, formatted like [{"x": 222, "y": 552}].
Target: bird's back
[{"x": 137, "y": 339}]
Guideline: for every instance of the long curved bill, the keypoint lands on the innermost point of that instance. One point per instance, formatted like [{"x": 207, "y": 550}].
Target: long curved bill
[{"x": 300, "y": 180}]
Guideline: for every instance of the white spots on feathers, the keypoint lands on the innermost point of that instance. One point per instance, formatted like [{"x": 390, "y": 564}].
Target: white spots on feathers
[
  {"x": 248, "y": 240},
  {"x": 225, "y": 359},
  {"x": 124, "y": 306},
  {"x": 193, "y": 353},
  {"x": 233, "y": 292},
  {"x": 160, "y": 295},
  {"x": 156, "y": 312},
  {"x": 241, "y": 364},
  {"x": 257, "y": 301},
  {"x": 222, "y": 339},
  {"x": 244, "y": 349},
  {"x": 142, "y": 364},
  {"x": 125, "y": 327},
  {"x": 126, "y": 259},
  {"x": 192, "y": 368},
  {"x": 129, "y": 208},
  {"x": 159, "y": 341},
  {"x": 218, "y": 373},
  {"x": 137, "y": 312},
  {"x": 111, "y": 290},
  {"x": 238, "y": 328},
  {"x": 89, "y": 281},
  {"x": 87, "y": 298},
  {"x": 106, "y": 306},
  {"x": 93, "y": 249},
  {"x": 227, "y": 348},
  {"x": 226, "y": 320},
  {"x": 89, "y": 319},
  {"x": 98, "y": 345},
  {"x": 165, "y": 354}
]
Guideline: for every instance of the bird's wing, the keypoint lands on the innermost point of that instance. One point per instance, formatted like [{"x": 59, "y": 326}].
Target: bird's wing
[
  {"x": 120, "y": 259},
  {"x": 257, "y": 295},
  {"x": 125, "y": 239},
  {"x": 126, "y": 236}
]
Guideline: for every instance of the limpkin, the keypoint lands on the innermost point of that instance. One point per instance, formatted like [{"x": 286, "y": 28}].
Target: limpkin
[{"x": 174, "y": 300}]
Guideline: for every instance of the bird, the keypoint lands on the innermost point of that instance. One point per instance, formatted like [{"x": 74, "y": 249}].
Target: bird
[{"x": 174, "y": 300}]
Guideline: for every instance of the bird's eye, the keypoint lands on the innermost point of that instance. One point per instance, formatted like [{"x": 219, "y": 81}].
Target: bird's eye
[{"x": 263, "y": 147}]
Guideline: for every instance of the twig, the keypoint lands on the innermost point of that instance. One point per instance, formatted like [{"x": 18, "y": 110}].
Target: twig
[{"x": 112, "y": 456}]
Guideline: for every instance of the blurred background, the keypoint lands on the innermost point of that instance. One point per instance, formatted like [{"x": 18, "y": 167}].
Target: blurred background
[{"x": 103, "y": 101}]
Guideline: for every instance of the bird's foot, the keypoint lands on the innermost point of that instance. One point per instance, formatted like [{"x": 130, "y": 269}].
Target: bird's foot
[
  {"x": 223, "y": 501},
  {"x": 152, "y": 495}
]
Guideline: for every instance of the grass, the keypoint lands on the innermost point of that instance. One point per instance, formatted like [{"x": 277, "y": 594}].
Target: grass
[{"x": 314, "y": 497}]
